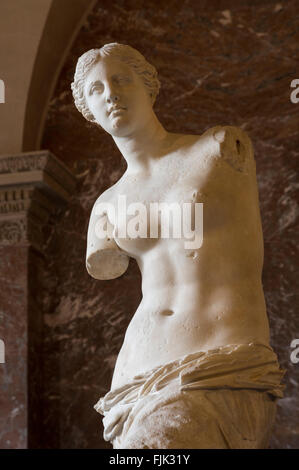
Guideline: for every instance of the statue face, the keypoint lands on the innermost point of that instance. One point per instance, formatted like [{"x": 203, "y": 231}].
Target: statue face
[{"x": 117, "y": 97}]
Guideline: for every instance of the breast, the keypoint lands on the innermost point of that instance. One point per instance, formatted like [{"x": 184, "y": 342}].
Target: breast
[
  {"x": 152, "y": 209},
  {"x": 139, "y": 226}
]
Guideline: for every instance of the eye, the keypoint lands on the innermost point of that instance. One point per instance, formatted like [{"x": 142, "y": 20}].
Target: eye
[
  {"x": 97, "y": 88},
  {"x": 122, "y": 80}
]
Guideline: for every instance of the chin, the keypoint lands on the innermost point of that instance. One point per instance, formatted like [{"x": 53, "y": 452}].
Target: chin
[{"x": 120, "y": 129}]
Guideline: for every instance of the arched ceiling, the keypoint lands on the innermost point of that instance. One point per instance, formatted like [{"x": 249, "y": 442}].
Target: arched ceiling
[{"x": 35, "y": 36}]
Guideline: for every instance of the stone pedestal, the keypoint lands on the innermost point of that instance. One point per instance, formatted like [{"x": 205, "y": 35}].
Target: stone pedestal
[{"x": 33, "y": 187}]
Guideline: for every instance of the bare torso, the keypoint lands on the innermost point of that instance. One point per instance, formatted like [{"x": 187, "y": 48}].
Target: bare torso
[{"x": 199, "y": 299}]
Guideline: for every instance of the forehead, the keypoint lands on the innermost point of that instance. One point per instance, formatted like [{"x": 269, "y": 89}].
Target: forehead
[{"x": 107, "y": 67}]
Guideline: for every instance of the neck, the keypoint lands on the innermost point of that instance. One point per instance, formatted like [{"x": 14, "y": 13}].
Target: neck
[{"x": 143, "y": 146}]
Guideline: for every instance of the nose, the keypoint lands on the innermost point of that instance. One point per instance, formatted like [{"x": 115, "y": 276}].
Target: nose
[
  {"x": 112, "y": 95},
  {"x": 112, "y": 98}
]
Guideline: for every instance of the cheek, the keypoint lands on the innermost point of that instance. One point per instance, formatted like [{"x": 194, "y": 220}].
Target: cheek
[
  {"x": 96, "y": 106},
  {"x": 142, "y": 106}
]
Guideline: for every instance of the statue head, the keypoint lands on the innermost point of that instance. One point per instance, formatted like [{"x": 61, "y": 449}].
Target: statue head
[{"x": 130, "y": 62}]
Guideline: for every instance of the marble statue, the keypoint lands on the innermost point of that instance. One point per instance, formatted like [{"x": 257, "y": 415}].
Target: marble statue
[{"x": 195, "y": 369}]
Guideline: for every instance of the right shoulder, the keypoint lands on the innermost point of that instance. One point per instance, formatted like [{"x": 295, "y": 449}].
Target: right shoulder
[
  {"x": 105, "y": 201},
  {"x": 110, "y": 194}
]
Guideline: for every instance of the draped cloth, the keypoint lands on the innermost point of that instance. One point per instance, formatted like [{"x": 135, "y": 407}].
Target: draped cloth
[{"x": 221, "y": 398}]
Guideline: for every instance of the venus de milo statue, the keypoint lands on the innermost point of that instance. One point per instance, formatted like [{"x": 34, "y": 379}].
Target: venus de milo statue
[{"x": 195, "y": 369}]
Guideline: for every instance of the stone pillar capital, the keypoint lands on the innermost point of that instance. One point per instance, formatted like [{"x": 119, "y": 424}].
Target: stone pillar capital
[{"x": 32, "y": 186}]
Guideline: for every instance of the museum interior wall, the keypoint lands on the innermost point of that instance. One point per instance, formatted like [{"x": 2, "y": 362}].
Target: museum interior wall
[{"x": 219, "y": 62}]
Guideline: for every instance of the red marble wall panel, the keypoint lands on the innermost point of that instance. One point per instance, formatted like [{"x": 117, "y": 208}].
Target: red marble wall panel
[{"x": 13, "y": 331}]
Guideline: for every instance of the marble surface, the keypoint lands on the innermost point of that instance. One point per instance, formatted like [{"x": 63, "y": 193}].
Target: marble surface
[
  {"x": 219, "y": 62},
  {"x": 13, "y": 331}
]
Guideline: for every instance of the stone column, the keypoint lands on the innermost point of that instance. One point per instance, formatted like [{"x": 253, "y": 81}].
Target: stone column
[{"x": 33, "y": 186}]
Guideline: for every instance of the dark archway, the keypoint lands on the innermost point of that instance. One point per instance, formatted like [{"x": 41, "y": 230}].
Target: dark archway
[{"x": 63, "y": 22}]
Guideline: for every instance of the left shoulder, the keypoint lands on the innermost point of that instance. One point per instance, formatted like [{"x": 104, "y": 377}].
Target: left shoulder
[
  {"x": 232, "y": 144},
  {"x": 221, "y": 133}
]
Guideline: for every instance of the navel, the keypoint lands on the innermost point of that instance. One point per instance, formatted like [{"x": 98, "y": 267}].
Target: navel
[{"x": 167, "y": 312}]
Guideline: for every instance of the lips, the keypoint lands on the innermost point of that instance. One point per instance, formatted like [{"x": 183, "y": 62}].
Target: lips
[{"x": 116, "y": 108}]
